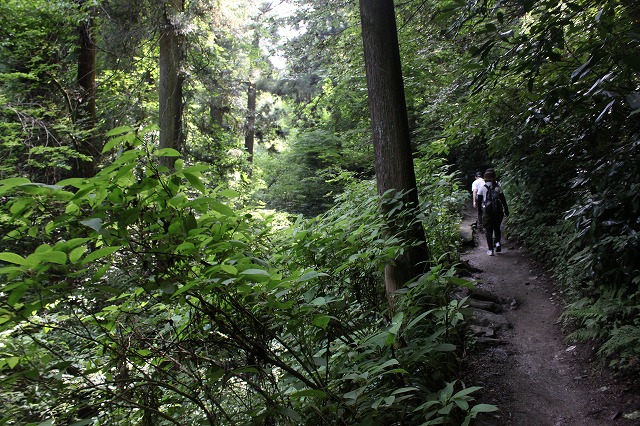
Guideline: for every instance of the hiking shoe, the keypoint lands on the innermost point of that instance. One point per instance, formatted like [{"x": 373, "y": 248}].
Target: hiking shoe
[
  {"x": 490, "y": 252},
  {"x": 498, "y": 247}
]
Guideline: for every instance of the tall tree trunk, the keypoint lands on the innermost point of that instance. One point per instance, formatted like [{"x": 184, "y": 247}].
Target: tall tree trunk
[
  {"x": 171, "y": 79},
  {"x": 391, "y": 140},
  {"x": 86, "y": 110},
  {"x": 250, "y": 131}
]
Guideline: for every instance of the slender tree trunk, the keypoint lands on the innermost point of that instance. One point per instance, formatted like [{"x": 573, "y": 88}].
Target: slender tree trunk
[
  {"x": 250, "y": 132},
  {"x": 170, "y": 91},
  {"x": 391, "y": 140},
  {"x": 86, "y": 110}
]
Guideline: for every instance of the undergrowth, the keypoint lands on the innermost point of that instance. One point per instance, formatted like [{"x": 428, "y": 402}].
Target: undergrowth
[{"x": 144, "y": 296}]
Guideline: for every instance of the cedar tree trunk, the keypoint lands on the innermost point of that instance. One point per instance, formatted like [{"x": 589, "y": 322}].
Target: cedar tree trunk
[
  {"x": 250, "y": 132},
  {"x": 171, "y": 79},
  {"x": 391, "y": 142}
]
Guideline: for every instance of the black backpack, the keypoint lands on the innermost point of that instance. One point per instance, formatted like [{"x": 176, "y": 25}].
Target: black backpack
[{"x": 491, "y": 204}]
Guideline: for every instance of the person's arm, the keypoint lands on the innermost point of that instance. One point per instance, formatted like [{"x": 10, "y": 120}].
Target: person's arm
[
  {"x": 475, "y": 196},
  {"x": 504, "y": 203}
]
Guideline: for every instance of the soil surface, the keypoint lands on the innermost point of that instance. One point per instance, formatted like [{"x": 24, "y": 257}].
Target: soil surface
[{"x": 528, "y": 369}]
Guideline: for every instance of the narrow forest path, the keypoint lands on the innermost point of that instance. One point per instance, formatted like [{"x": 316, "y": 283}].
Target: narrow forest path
[{"x": 528, "y": 370}]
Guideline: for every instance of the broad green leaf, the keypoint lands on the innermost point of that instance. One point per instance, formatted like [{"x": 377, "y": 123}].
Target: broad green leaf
[
  {"x": 354, "y": 394},
  {"x": 102, "y": 252},
  {"x": 229, "y": 193},
  {"x": 71, "y": 244},
  {"x": 178, "y": 200},
  {"x": 377, "y": 403},
  {"x": 12, "y": 361},
  {"x": 72, "y": 208},
  {"x": 483, "y": 408},
  {"x": 20, "y": 205},
  {"x": 12, "y": 258},
  {"x": 11, "y": 271},
  {"x": 13, "y": 182},
  {"x": 446, "y": 392},
  {"x": 318, "y": 301},
  {"x": 47, "y": 257},
  {"x": 43, "y": 248},
  {"x": 445, "y": 347},
  {"x": 322, "y": 321},
  {"x": 93, "y": 223},
  {"x": 222, "y": 208},
  {"x": 256, "y": 274},
  {"x": 186, "y": 247},
  {"x": 446, "y": 409},
  {"x": 75, "y": 182},
  {"x": 462, "y": 404},
  {"x": 467, "y": 391},
  {"x": 404, "y": 390},
  {"x": 186, "y": 287},
  {"x": 460, "y": 282},
  {"x": 16, "y": 295},
  {"x": 195, "y": 181},
  {"x": 311, "y": 275},
  {"x": 119, "y": 130},
  {"x": 385, "y": 365},
  {"x": 229, "y": 269},
  {"x": 396, "y": 323},
  {"x": 168, "y": 152}
]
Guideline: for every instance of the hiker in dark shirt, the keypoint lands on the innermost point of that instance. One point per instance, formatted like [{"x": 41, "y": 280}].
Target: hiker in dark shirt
[{"x": 494, "y": 209}]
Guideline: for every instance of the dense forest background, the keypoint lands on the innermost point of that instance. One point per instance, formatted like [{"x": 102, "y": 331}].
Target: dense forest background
[{"x": 191, "y": 231}]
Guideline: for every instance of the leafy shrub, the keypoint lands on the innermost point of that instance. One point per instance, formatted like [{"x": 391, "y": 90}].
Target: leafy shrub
[{"x": 145, "y": 298}]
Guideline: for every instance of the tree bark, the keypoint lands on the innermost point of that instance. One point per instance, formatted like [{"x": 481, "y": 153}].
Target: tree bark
[
  {"x": 391, "y": 139},
  {"x": 171, "y": 80},
  {"x": 250, "y": 131},
  {"x": 86, "y": 109}
]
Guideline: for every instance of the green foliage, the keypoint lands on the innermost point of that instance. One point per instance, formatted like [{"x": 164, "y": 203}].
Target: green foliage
[
  {"x": 555, "y": 97},
  {"x": 141, "y": 295},
  {"x": 305, "y": 176},
  {"x": 36, "y": 112},
  {"x": 441, "y": 200}
]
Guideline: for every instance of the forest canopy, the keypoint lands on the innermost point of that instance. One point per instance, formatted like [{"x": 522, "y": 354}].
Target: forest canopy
[{"x": 195, "y": 223}]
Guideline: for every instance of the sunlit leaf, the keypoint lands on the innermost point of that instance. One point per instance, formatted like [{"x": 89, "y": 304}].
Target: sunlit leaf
[
  {"x": 12, "y": 258},
  {"x": 101, "y": 252},
  {"x": 195, "y": 181},
  {"x": 93, "y": 223},
  {"x": 168, "y": 152}
]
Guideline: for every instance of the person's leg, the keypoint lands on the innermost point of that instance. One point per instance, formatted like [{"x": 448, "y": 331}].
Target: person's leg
[
  {"x": 498, "y": 234},
  {"x": 488, "y": 230},
  {"x": 479, "y": 216}
]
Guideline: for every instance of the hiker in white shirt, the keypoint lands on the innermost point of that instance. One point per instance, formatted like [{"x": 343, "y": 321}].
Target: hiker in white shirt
[{"x": 475, "y": 186}]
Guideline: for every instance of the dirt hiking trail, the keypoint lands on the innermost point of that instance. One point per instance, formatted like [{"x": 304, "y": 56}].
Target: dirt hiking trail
[{"x": 522, "y": 360}]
